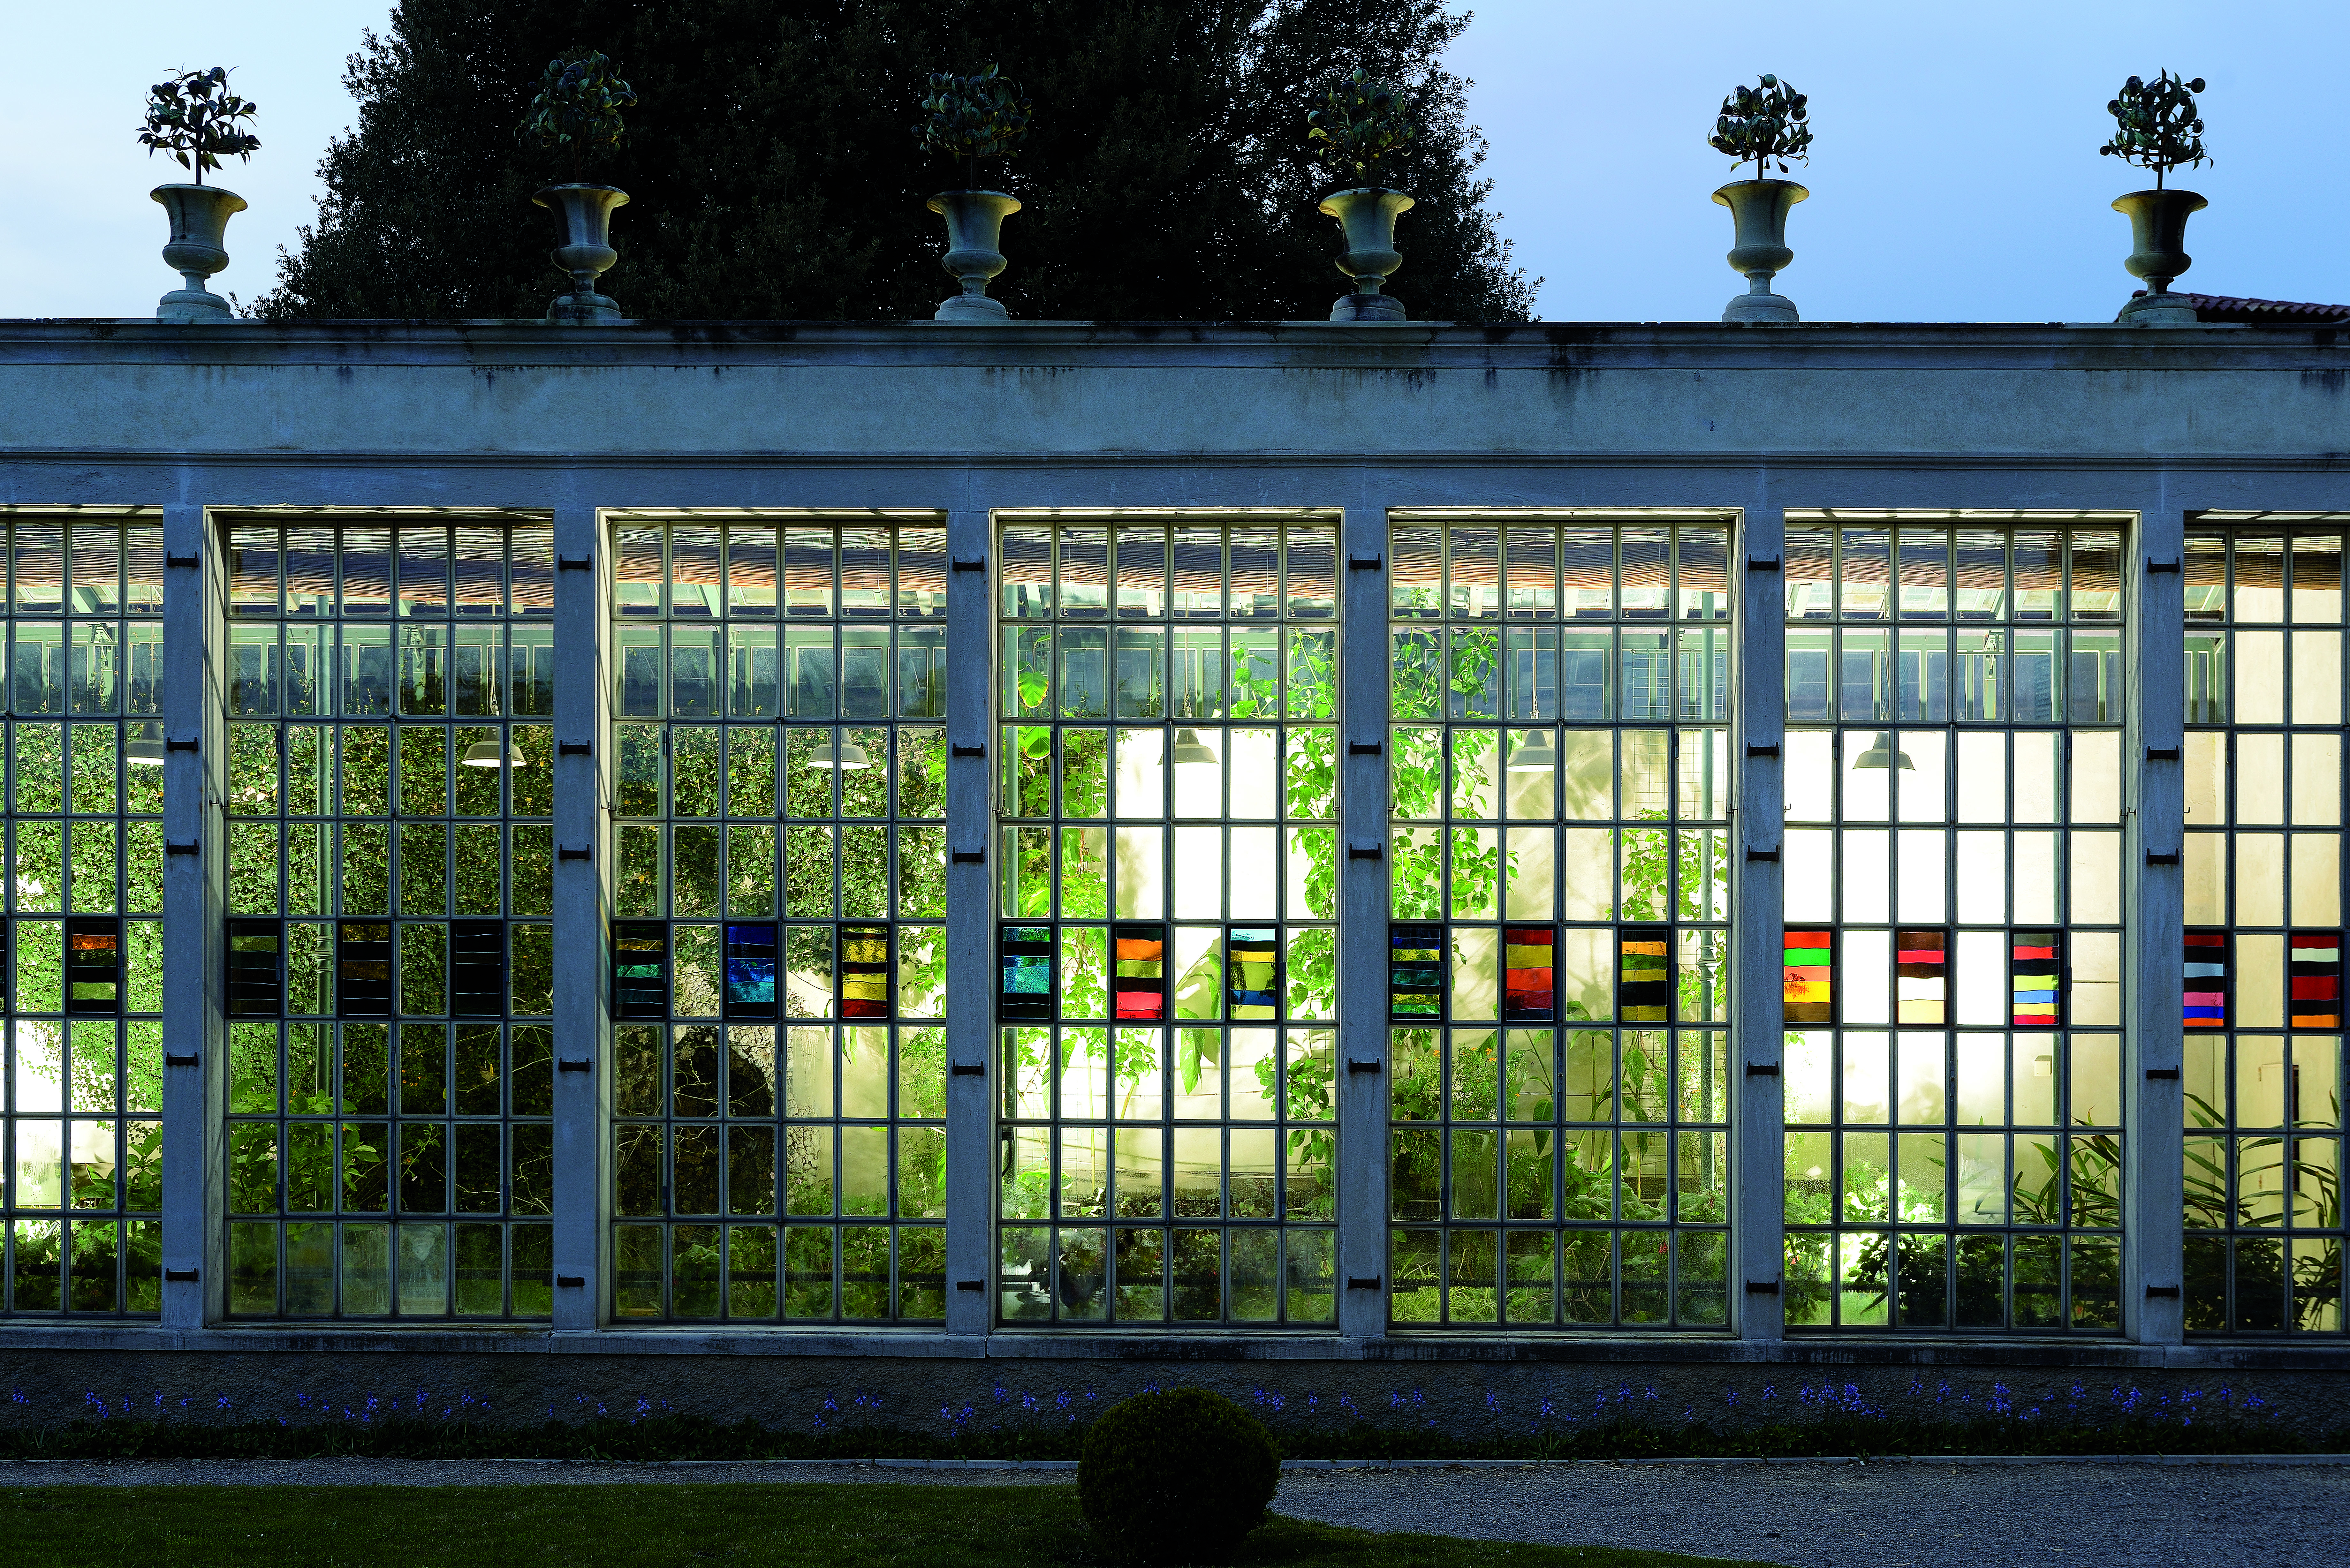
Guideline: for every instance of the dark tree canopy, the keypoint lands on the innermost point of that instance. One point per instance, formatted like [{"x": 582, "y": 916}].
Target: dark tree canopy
[{"x": 772, "y": 171}]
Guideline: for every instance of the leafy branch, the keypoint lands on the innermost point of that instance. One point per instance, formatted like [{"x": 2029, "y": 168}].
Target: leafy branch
[
  {"x": 1767, "y": 123},
  {"x": 581, "y": 97},
  {"x": 1360, "y": 123},
  {"x": 2156, "y": 125},
  {"x": 196, "y": 119},
  {"x": 975, "y": 117}
]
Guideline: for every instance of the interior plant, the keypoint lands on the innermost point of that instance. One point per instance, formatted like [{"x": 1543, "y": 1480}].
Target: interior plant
[
  {"x": 1665, "y": 874},
  {"x": 1769, "y": 123},
  {"x": 576, "y": 112},
  {"x": 1358, "y": 130},
  {"x": 967, "y": 118},
  {"x": 1177, "y": 1476},
  {"x": 197, "y": 118},
  {"x": 2157, "y": 126}
]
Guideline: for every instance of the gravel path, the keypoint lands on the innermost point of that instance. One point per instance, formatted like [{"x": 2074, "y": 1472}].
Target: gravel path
[
  {"x": 1880, "y": 1516},
  {"x": 1812, "y": 1516}
]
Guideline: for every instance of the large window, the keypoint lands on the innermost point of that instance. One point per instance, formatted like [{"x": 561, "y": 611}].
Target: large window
[
  {"x": 1166, "y": 868},
  {"x": 1560, "y": 784},
  {"x": 390, "y": 960},
  {"x": 2262, "y": 1008},
  {"x": 83, "y": 1180},
  {"x": 779, "y": 978},
  {"x": 1954, "y": 879},
  {"x": 1156, "y": 960}
]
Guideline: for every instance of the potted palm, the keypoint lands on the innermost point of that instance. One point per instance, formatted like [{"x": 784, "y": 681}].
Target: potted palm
[
  {"x": 967, "y": 118},
  {"x": 1359, "y": 125},
  {"x": 1770, "y": 124},
  {"x": 197, "y": 120},
  {"x": 2156, "y": 127},
  {"x": 577, "y": 110}
]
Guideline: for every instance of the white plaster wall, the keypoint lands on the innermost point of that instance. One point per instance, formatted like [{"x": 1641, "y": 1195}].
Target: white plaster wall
[{"x": 1700, "y": 393}]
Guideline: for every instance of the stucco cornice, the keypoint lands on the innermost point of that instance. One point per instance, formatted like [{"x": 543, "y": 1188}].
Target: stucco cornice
[{"x": 1525, "y": 346}]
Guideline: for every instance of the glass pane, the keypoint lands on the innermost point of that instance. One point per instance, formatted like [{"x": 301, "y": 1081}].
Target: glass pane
[
  {"x": 1952, "y": 996},
  {"x": 390, "y": 963},
  {"x": 1563, "y": 1034},
  {"x": 783, "y": 890}
]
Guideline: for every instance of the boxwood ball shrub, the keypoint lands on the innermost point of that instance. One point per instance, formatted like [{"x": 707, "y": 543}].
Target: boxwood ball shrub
[{"x": 1178, "y": 1477}]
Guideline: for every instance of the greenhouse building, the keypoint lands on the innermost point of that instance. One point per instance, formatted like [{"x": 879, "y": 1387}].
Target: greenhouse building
[{"x": 1376, "y": 859}]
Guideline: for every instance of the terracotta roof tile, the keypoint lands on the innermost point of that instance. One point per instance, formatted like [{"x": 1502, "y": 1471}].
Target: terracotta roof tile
[{"x": 2277, "y": 312}]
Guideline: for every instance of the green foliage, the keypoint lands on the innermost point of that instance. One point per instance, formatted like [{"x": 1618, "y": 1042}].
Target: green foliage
[
  {"x": 2156, "y": 125},
  {"x": 1360, "y": 124},
  {"x": 581, "y": 97},
  {"x": 2261, "y": 1265},
  {"x": 771, "y": 175},
  {"x": 197, "y": 120},
  {"x": 1665, "y": 875},
  {"x": 1177, "y": 1476},
  {"x": 1310, "y": 777},
  {"x": 972, "y": 118},
  {"x": 1767, "y": 123}
]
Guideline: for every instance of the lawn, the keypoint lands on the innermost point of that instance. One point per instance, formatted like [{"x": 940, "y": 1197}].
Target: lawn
[{"x": 789, "y": 1526}]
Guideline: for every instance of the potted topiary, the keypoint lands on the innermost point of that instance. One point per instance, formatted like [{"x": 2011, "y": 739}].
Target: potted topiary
[
  {"x": 196, "y": 119},
  {"x": 968, "y": 118},
  {"x": 2156, "y": 127},
  {"x": 1768, "y": 123},
  {"x": 578, "y": 106},
  {"x": 1359, "y": 125}
]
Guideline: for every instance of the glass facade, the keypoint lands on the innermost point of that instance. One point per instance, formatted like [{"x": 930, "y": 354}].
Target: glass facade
[
  {"x": 779, "y": 969},
  {"x": 1158, "y": 974},
  {"x": 1167, "y": 866},
  {"x": 1953, "y": 939},
  {"x": 390, "y": 687},
  {"x": 1558, "y": 1146},
  {"x": 2263, "y": 1002},
  {"x": 82, "y": 1185}
]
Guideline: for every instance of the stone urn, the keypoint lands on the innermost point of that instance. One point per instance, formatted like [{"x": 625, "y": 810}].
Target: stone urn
[
  {"x": 1366, "y": 218},
  {"x": 199, "y": 216},
  {"x": 586, "y": 253},
  {"x": 1758, "y": 208},
  {"x": 975, "y": 230},
  {"x": 2159, "y": 254}
]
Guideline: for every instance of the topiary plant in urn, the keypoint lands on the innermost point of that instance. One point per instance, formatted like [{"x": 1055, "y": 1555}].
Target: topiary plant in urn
[
  {"x": 197, "y": 120},
  {"x": 1770, "y": 123},
  {"x": 967, "y": 118},
  {"x": 2157, "y": 126},
  {"x": 578, "y": 112},
  {"x": 1361, "y": 127}
]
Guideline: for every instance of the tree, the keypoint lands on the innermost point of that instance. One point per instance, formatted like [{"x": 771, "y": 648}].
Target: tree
[{"x": 774, "y": 173}]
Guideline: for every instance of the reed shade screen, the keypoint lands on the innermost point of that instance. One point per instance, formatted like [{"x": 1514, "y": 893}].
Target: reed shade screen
[
  {"x": 81, "y": 1188},
  {"x": 390, "y": 690},
  {"x": 779, "y": 1091},
  {"x": 1953, "y": 860},
  {"x": 1558, "y": 1105},
  {"x": 1165, "y": 872},
  {"x": 2262, "y": 1012}
]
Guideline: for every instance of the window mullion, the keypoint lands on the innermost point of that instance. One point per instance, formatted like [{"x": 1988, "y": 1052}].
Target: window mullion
[
  {"x": 971, "y": 925},
  {"x": 1362, "y": 1110},
  {"x": 195, "y": 1074},
  {"x": 2153, "y": 914},
  {"x": 1758, "y": 712},
  {"x": 583, "y": 1032}
]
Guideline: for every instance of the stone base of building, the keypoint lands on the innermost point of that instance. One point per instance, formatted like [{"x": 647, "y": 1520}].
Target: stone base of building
[{"x": 1466, "y": 1389}]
